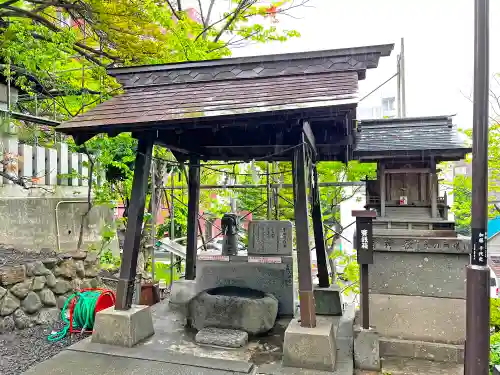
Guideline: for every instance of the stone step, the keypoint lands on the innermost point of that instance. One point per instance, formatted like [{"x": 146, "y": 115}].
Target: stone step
[
  {"x": 391, "y": 347},
  {"x": 407, "y": 366}
]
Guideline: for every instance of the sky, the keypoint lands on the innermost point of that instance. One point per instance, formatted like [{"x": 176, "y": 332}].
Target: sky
[{"x": 439, "y": 42}]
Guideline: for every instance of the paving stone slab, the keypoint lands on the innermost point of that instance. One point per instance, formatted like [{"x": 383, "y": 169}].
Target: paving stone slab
[
  {"x": 230, "y": 338},
  {"x": 406, "y": 366}
]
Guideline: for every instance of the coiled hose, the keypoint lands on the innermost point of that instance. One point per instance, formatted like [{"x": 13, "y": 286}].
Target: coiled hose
[{"x": 83, "y": 314}]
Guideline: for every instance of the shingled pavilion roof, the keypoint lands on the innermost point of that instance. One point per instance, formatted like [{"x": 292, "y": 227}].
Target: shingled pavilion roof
[
  {"x": 420, "y": 137},
  {"x": 238, "y": 108}
]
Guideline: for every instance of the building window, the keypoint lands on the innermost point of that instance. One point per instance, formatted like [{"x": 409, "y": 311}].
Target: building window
[{"x": 388, "y": 104}]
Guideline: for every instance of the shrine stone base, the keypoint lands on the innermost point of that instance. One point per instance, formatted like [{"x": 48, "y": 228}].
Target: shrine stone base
[
  {"x": 417, "y": 296},
  {"x": 328, "y": 300},
  {"x": 123, "y": 328},
  {"x": 310, "y": 348}
]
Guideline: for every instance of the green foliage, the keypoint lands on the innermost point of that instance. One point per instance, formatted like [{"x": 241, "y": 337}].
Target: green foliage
[
  {"x": 495, "y": 313},
  {"x": 350, "y": 284},
  {"x": 462, "y": 185},
  {"x": 109, "y": 261},
  {"x": 180, "y": 222},
  {"x": 495, "y": 349},
  {"x": 495, "y": 337},
  {"x": 162, "y": 272},
  {"x": 462, "y": 201}
]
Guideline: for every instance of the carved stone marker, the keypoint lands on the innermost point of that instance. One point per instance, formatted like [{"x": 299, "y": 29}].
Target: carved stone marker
[
  {"x": 270, "y": 237},
  {"x": 422, "y": 245}
]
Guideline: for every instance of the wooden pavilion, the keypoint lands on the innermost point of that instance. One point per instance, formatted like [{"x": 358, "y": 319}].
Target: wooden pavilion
[{"x": 298, "y": 107}]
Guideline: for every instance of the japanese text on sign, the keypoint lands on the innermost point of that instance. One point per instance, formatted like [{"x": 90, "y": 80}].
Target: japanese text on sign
[
  {"x": 364, "y": 239},
  {"x": 479, "y": 254}
]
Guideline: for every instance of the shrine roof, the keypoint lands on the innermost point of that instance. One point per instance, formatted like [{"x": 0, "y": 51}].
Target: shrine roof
[
  {"x": 214, "y": 91},
  {"x": 419, "y": 137}
]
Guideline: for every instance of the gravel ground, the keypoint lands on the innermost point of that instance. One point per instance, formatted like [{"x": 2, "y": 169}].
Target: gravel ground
[
  {"x": 10, "y": 256},
  {"x": 20, "y": 350}
]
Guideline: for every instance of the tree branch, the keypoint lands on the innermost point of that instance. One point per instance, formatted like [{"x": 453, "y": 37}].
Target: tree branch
[{"x": 242, "y": 6}]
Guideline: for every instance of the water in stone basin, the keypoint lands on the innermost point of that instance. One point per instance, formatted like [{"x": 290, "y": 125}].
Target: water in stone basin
[{"x": 234, "y": 291}]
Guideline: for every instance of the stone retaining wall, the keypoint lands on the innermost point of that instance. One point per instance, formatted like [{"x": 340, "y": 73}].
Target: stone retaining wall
[{"x": 33, "y": 293}]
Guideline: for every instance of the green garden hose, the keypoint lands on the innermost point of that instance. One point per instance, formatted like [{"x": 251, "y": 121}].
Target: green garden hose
[{"x": 83, "y": 313}]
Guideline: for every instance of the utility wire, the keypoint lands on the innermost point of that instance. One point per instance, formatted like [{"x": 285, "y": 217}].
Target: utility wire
[{"x": 378, "y": 87}]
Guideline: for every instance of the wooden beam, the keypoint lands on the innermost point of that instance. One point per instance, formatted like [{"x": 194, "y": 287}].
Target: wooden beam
[
  {"x": 407, "y": 171},
  {"x": 192, "y": 217},
  {"x": 306, "y": 295},
  {"x": 433, "y": 189},
  {"x": 131, "y": 247}
]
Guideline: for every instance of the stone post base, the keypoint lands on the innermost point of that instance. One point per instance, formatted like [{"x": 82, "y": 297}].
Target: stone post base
[
  {"x": 123, "y": 328},
  {"x": 366, "y": 349},
  {"x": 310, "y": 348},
  {"x": 328, "y": 300}
]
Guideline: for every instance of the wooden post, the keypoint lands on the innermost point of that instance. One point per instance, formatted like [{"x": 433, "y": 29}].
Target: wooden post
[
  {"x": 423, "y": 196},
  {"x": 319, "y": 235},
  {"x": 131, "y": 247},
  {"x": 382, "y": 178},
  {"x": 433, "y": 189},
  {"x": 192, "y": 217},
  {"x": 364, "y": 248},
  {"x": 307, "y": 305}
]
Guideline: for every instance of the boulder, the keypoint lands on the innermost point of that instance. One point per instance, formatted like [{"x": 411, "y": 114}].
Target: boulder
[
  {"x": 90, "y": 283},
  {"x": 66, "y": 269},
  {"x": 22, "y": 320},
  {"x": 46, "y": 252},
  {"x": 80, "y": 268},
  {"x": 51, "y": 280},
  {"x": 60, "y": 301},
  {"x": 38, "y": 283},
  {"x": 62, "y": 286},
  {"x": 50, "y": 263},
  {"x": 92, "y": 259},
  {"x": 7, "y": 324},
  {"x": 75, "y": 254},
  {"x": 12, "y": 275},
  {"x": 236, "y": 308},
  {"x": 3, "y": 292},
  {"x": 47, "y": 297},
  {"x": 22, "y": 289},
  {"x": 36, "y": 269},
  {"x": 76, "y": 284},
  {"x": 91, "y": 271},
  {"x": 9, "y": 305},
  {"x": 32, "y": 303},
  {"x": 48, "y": 316}
]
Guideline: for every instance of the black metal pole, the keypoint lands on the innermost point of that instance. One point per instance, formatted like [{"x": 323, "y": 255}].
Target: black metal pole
[
  {"x": 192, "y": 217},
  {"x": 319, "y": 235},
  {"x": 478, "y": 273},
  {"x": 131, "y": 246}
]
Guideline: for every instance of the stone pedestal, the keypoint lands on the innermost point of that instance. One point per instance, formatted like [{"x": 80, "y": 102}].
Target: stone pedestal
[
  {"x": 123, "y": 328},
  {"x": 328, "y": 300},
  {"x": 366, "y": 349},
  {"x": 417, "y": 293},
  {"x": 310, "y": 348}
]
